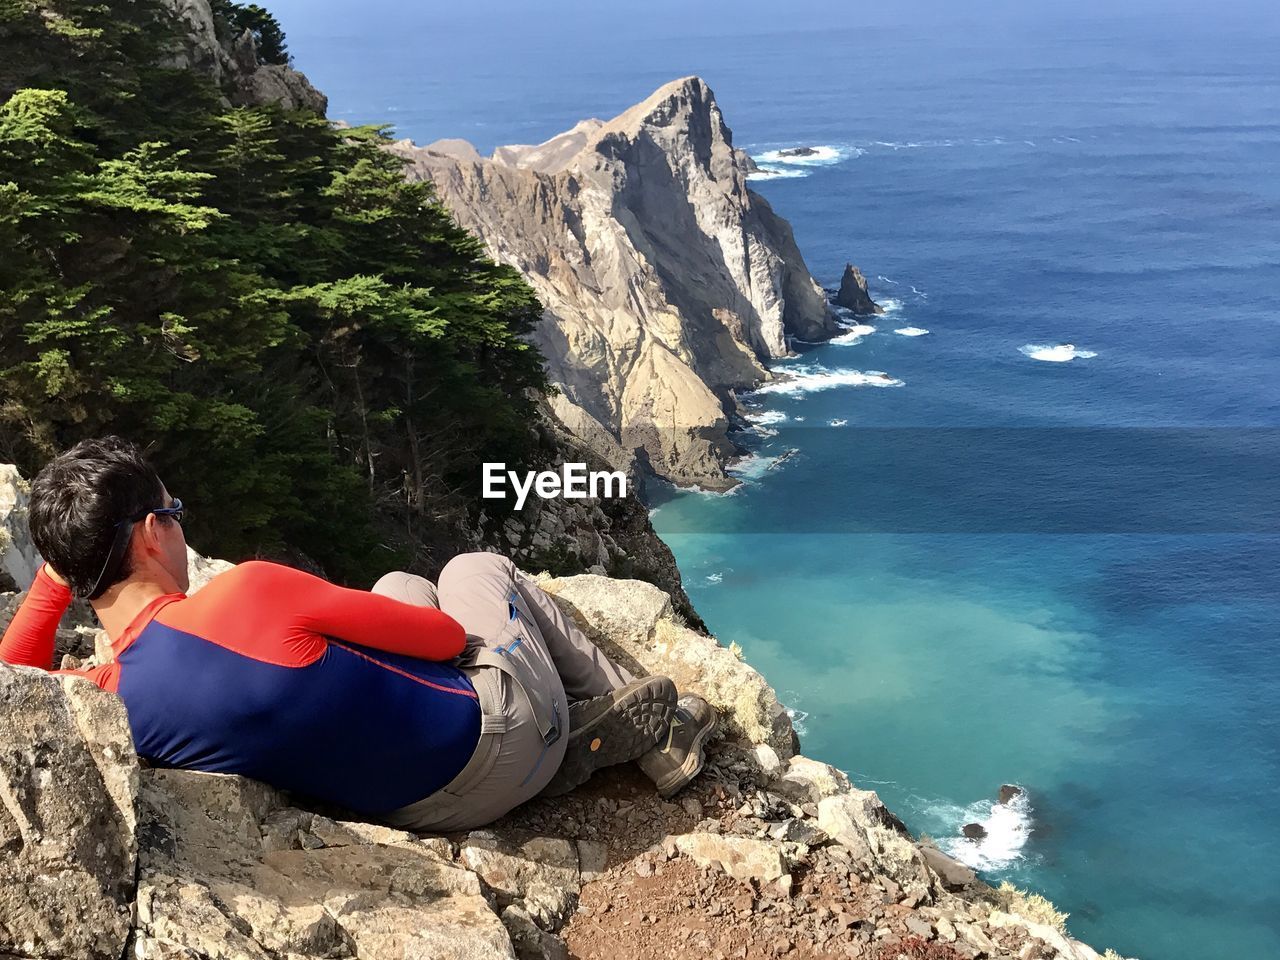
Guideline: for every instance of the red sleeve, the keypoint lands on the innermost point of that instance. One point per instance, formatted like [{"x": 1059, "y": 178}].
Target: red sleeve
[
  {"x": 29, "y": 640},
  {"x": 292, "y": 608}
]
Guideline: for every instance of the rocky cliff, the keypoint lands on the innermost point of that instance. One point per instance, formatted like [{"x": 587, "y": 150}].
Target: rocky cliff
[
  {"x": 233, "y": 63},
  {"x": 853, "y": 293},
  {"x": 768, "y": 854},
  {"x": 666, "y": 281}
]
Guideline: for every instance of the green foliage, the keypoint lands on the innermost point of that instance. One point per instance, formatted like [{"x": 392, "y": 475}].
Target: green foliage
[
  {"x": 236, "y": 18},
  {"x": 318, "y": 355}
]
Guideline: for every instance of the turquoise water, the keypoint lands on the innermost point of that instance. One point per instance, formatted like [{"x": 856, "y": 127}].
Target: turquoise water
[{"x": 949, "y": 611}]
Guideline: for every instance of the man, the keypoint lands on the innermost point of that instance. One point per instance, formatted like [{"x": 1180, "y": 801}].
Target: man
[{"x": 426, "y": 707}]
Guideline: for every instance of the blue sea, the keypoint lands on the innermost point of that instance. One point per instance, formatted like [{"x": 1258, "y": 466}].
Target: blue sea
[{"x": 1037, "y": 544}]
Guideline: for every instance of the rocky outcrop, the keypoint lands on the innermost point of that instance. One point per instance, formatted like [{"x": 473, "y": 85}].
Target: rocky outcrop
[
  {"x": 18, "y": 555},
  {"x": 767, "y": 852},
  {"x": 853, "y": 293},
  {"x": 234, "y": 65},
  {"x": 68, "y": 786},
  {"x": 667, "y": 283}
]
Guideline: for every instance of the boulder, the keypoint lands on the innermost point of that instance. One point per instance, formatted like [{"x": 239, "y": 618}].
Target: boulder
[
  {"x": 744, "y": 858},
  {"x": 853, "y": 293},
  {"x": 805, "y": 780},
  {"x": 542, "y": 872},
  {"x": 860, "y": 822},
  {"x": 229, "y": 869},
  {"x": 1009, "y": 792},
  {"x": 68, "y": 784},
  {"x": 974, "y": 831},
  {"x": 953, "y": 874}
]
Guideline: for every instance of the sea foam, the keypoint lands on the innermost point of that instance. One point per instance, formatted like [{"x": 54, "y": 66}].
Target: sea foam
[
  {"x": 776, "y": 164},
  {"x": 766, "y": 418},
  {"x": 1008, "y": 827},
  {"x": 911, "y": 331},
  {"x": 821, "y": 156},
  {"x": 1055, "y": 353},
  {"x": 812, "y": 379},
  {"x": 854, "y": 334}
]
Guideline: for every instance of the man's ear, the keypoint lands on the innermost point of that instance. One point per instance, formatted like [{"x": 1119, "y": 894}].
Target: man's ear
[{"x": 147, "y": 535}]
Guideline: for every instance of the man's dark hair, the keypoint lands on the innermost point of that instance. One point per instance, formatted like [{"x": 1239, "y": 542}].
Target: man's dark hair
[{"x": 77, "y": 500}]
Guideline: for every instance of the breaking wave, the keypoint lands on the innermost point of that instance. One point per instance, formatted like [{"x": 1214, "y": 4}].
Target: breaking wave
[
  {"x": 815, "y": 155},
  {"x": 812, "y": 379},
  {"x": 1008, "y": 828},
  {"x": 1055, "y": 353},
  {"x": 911, "y": 331},
  {"x": 853, "y": 334},
  {"x": 766, "y": 418},
  {"x": 789, "y": 162},
  {"x": 837, "y": 423}
]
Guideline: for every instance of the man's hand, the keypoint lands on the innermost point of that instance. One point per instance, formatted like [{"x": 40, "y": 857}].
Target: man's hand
[{"x": 55, "y": 576}]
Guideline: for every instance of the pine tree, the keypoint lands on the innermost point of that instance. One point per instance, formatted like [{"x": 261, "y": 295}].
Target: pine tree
[{"x": 319, "y": 356}]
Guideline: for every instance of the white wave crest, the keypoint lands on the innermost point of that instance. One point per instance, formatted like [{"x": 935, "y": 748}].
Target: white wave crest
[
  {"x": 837, "y": 423},
  {"x": 812, "y": 379},
  {"x": 881, "y": 276},
  {"x": 890, "y": 304},
  {"x": 911, "y": 331},
  {"x": 714, "y": 577},
  {"x": 854, "y": 335},
  {"x": 814, "y": 155},
  {"x": 1007, "y": 826},
  {"x": 766, "y": 418},
  {"x": 1055, "y": 353}
]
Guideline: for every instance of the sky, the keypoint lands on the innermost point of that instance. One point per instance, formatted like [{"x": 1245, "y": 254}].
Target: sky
[{"x": 721, "y": 16}]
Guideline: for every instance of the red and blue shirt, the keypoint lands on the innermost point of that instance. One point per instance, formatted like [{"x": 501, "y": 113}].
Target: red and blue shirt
[{"x": 338, "y": 694}]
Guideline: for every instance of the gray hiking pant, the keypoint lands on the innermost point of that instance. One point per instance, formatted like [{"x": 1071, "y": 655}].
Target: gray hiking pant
[{"x": 505, "y": 617}]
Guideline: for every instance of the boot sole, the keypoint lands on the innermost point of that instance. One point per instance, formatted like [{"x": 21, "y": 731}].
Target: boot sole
[{"x": 632, "y": 726}]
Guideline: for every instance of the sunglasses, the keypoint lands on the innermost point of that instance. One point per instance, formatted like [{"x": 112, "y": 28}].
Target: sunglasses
[{"x": 124, "y": 530}]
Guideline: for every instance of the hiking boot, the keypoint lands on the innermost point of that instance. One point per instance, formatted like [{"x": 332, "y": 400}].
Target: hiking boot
[
  {"x": 614, "y": 728},
  {"x": 678, "y": 757}
]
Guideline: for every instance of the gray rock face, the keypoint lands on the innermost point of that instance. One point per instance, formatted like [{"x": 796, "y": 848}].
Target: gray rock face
[
  {"x": 666, "y": 281},
  {"x": 228, "y": 869},
  {"x": 19, "y": 558},
  {"x": 853, "y": 293},
  {"x": 235, "y": 66},
  {"x": 68, "y": 781}
]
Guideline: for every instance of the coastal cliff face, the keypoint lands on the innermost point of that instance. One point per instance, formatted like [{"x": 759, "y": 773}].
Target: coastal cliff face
[
  {"x": 234, "y": 64},
  {"x": 767, "y": 853},
  {"x": 666, "y": 281}
]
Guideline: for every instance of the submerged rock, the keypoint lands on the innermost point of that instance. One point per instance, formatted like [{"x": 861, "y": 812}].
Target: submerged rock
[
  {"x": 975, "y": 831},
  {"x": 853, "y": 293}
]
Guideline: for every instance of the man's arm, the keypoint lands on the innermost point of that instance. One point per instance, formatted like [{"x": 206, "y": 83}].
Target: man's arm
[
  {"x": 297, "y": 608},
  {"x": 29, "y": 640}
]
